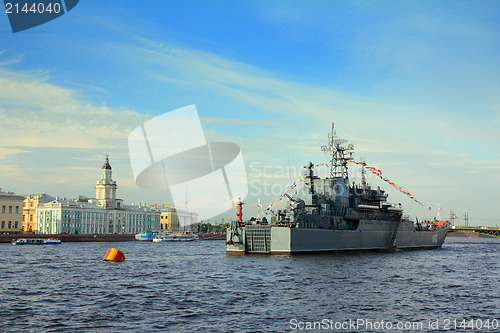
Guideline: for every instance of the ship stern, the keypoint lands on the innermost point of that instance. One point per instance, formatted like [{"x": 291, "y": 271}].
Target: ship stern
[{"x": 235, "y": 239}]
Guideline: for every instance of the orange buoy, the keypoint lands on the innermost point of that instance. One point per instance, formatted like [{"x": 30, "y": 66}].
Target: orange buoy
[{"x": 114, "y": 255}]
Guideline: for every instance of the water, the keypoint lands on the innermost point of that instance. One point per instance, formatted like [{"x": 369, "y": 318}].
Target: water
[{"x": 171, "y": 287}]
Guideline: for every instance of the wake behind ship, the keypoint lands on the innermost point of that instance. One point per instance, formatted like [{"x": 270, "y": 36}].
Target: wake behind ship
[{"x": 330, "y": 214}]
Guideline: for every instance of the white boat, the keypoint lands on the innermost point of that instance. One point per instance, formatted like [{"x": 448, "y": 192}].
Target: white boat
[
  {"x": 36, "y": 241},
  {"x": 181, "y": 237}
]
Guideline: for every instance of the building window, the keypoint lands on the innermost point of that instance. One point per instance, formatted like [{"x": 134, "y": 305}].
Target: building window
[
  {"x": 15, "y": 225},
  {"x": 3, "y": 209},
  {"x": 3, "y": 224},
  {"x": 10, "y": 225},
  {"x": 17, "y": 209},
  {"x": 10, "y": 209}
]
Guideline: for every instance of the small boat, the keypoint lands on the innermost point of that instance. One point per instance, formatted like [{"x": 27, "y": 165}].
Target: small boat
[
  {"x": 147, "y": 236},
  {"x": 36, "y": 241},
  {"x": 181, "y": 237}
]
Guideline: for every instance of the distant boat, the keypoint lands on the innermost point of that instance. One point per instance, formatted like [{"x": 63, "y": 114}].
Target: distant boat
[
  {"x": 36, "y": 241},
  {"x": 147, "y": 236},
  {"x": 181, "y": 237}
]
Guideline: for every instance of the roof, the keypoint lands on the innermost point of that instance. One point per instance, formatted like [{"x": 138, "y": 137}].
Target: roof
[
  {"x": 106, "y": 164},
  {"x": 70, "y": 203},
  {"x": 42, "y": 196},
  {"x": 9, "y": 195}
]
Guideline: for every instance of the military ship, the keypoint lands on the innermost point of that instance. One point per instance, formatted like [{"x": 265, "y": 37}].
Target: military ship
[{"x": 331, "y": 214}]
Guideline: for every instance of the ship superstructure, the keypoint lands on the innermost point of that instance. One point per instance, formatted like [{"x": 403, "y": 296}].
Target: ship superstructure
[{"x": 331, "y": 214}]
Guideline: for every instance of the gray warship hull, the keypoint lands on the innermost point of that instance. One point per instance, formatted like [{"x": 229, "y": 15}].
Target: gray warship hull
[{"x": 267, "y": 239}]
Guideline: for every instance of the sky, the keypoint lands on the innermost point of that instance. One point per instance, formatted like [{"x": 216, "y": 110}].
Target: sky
[{"x": 415, "y": 86}]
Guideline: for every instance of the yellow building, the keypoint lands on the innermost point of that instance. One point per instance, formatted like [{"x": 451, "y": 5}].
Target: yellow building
[
  {"x": 11, "y": 212},
  {"x": 174, "y": 219},
  {"x": 29, "y": 210},
  {"x": 169, "y": 221}
]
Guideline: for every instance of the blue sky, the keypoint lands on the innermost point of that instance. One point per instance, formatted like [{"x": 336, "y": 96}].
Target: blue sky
[{"x": 415, "y": 86}]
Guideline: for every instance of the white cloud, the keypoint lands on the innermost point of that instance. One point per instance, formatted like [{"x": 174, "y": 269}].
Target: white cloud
[
  {"x": 37, "y": 113},
  {"x": 50, "y": 138},
  {"x": 290, "y": 101},
  {"x": 6, "y": 153},
  {"x": 290, "y": 117}
]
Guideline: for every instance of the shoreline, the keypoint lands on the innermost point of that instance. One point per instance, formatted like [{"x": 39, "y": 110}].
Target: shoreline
[
  {"x": 464, "y": 234},
  {"x": 7, "y": 238}
]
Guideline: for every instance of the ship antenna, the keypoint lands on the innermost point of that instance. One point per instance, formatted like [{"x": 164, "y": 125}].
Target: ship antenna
[
  {"x": 340, "y": 154},
  {"x": 363, "y": 176}
]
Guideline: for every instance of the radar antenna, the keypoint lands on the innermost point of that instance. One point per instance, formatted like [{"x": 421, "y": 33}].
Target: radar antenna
[{"x": 340, "y": 155}]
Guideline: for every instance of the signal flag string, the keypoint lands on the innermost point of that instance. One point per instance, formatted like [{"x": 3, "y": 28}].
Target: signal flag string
[
  {"x": 374, "y": 170},
  {"x": 399, "y": 188}
]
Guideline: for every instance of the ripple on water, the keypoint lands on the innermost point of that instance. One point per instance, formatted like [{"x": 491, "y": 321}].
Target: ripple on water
[{"x": 199, "y": 288}]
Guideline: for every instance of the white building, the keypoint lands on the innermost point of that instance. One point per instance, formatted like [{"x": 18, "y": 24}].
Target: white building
[
  {"x": 103, "y": 215},
  {"x": 105, "y": 189},
  {"x": 29, "y": 209}
]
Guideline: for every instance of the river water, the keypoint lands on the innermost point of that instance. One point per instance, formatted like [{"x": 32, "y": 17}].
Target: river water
[{"x": 172, "y": 287}]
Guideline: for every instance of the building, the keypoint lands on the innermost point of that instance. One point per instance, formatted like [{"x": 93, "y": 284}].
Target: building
[
  {"x": 11, "y": 212},
  {"x": 101, "y": 215},
  {"x": 185, "y": 219},
  {"x": 29, "y": 209},
  {"x": 169, "y": 221},
  {"x": 80, "y": 217},
  {"x": 174, "y": 219},
  {"x": 105, "y": 189}
]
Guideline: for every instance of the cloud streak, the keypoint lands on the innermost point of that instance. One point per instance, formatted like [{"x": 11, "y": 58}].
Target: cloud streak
[{"x": 409, "y": 125}]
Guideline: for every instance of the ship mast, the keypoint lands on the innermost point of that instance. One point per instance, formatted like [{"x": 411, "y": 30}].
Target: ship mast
[
  {"x": 340, "y": 155},
  {"x": 363, "y": 177}
]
